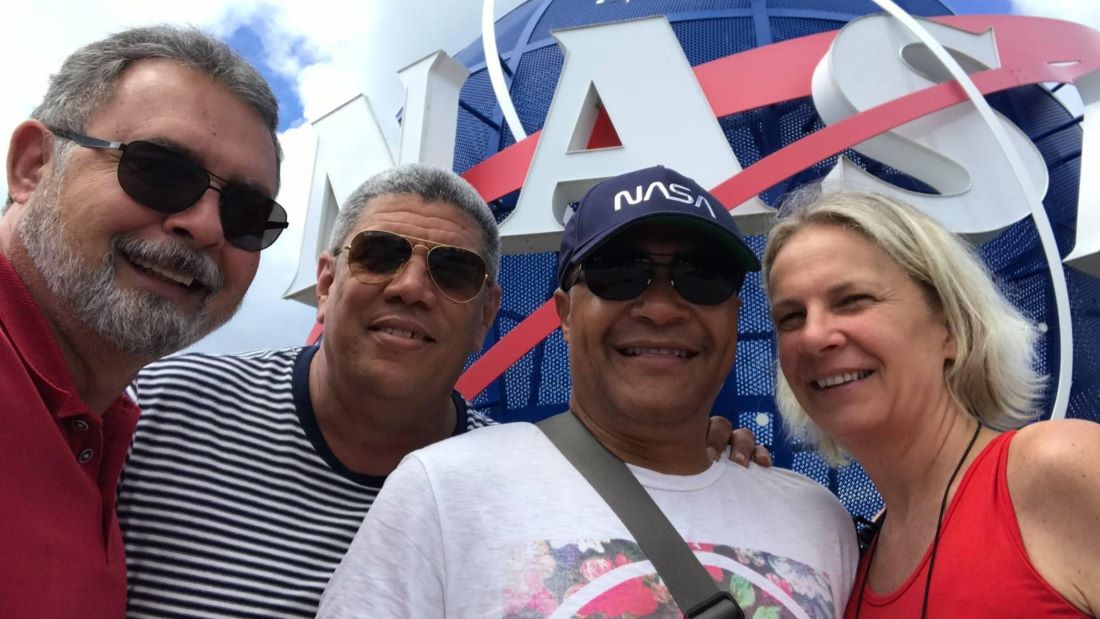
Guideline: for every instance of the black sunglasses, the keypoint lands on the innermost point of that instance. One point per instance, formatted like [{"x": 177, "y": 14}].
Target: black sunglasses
[
  {"x": 376, "y": 256},
  {"x": 168, "y": 182},
  {"x": 618, "y": 277}
]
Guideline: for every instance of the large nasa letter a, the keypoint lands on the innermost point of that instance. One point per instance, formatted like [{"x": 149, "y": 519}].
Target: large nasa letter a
[{"x": 636, "y": 72}]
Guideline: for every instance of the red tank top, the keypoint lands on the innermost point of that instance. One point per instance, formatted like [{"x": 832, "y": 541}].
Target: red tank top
[{"x": 982, "y": 569}]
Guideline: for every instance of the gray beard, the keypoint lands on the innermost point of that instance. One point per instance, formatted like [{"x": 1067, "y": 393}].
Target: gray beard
[{"x": 135, "y": 321}]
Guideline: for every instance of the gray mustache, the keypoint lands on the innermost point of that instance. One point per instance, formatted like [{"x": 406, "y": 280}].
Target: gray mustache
[{"x": 175, "y": 255}]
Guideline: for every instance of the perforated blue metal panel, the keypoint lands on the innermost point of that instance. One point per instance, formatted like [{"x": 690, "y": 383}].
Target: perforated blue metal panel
[
  {"x": 784, "y": 28},
  {"x": 474, "y": 137},
  {"x": 715, "y": 37},
  {"x": 707, "y": 29},
  {"x": 569, "y": 13}
]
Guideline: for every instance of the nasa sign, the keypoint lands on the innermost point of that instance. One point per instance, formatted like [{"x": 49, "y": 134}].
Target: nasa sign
[{"x": 904, "y": 92}]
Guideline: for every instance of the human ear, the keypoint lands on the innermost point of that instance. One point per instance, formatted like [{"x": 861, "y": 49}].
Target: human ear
[
  {"x": 561, "y": 304},
  {"x": 326, "y": 273},
  {"x": 30, "y": 152},
  {"x": 489, "y": 308}
]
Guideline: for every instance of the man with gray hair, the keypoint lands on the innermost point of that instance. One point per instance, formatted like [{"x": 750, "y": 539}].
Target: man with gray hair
[{"x": 113, "y": 253}]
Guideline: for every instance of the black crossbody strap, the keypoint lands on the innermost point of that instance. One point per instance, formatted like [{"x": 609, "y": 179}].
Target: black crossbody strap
[{"x": 689, "y": 583}]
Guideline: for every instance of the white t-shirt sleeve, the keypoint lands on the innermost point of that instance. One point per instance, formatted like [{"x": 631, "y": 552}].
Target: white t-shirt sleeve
[{"x": 393, "y": 567}]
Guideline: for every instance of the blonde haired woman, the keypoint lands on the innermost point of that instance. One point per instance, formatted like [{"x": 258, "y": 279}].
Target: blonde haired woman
[{"x": 896, "y": 348}]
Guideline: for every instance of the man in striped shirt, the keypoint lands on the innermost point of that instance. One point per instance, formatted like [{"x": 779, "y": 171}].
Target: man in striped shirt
[{"x": 250, "y": 474}]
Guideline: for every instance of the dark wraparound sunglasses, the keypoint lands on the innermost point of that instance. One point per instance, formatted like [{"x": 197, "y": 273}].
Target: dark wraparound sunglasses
[
  {"x": 376, "y": 256},
  {"x": 168, "y": 182},
  {"x": 623, "y": 277}
]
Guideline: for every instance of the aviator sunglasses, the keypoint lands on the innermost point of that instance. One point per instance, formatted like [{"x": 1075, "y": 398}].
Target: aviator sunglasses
[
  {"x": 618, "y": 277},
  {"x": 376, "y": 256},
  {"x": 168, "y": 182}
]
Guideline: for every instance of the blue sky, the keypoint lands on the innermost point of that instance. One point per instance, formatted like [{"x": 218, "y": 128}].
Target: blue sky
[{"x": 248, "y": 40}]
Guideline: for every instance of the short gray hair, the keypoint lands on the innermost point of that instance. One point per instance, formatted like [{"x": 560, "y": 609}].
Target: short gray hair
[
  {"x": 993, "y": 376},
  {"x": 89, "y": 76},
  {"x": 431, "y": 184}
]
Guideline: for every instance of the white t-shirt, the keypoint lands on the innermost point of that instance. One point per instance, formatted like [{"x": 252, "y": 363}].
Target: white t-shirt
[{"x": 497, "y": 523}]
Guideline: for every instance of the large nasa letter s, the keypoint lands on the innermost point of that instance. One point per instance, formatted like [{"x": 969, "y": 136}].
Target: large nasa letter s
[{"x": 874, "y": 60}]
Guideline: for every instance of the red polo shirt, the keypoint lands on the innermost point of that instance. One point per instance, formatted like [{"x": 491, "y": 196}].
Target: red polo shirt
[{"x": 61, "y": 552}]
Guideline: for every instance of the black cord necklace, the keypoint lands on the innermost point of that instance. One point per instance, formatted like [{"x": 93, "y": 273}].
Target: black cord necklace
[{"x": 935, "y": 538}]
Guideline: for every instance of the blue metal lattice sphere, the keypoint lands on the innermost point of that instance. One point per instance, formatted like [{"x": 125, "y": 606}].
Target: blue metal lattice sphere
[{"x": 538, "y": 384}]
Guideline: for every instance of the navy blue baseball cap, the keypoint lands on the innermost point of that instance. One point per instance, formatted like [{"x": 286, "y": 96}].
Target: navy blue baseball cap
[{"x": 652, "y": 194}]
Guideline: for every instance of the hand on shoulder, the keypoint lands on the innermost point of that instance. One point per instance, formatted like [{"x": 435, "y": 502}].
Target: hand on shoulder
[{"x": 1054, "y": 480}]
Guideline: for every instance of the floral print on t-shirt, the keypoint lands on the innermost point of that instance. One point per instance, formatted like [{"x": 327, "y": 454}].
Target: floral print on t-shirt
[{"x": 613, "y": 578}]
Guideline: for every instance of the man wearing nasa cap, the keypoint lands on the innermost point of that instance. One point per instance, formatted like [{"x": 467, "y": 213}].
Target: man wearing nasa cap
[{"x": 649, "y": 271}]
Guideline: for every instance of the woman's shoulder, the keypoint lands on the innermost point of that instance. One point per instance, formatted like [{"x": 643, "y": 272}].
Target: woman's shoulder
[
  {"x": 1056, "y": 448},
  {"x": 1054, "y": 482},
  {"x": 1055, "y": 459}
]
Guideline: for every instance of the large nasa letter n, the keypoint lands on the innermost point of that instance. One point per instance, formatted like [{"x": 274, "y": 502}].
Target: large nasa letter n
[
  {"x": 874, "y": 60},
  {"x": 351, "y": 147},
  {"x": 637, "y": 72}
]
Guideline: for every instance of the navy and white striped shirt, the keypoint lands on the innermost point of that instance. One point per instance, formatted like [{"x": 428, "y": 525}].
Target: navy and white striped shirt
[{"x": 231, "y": 503}]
